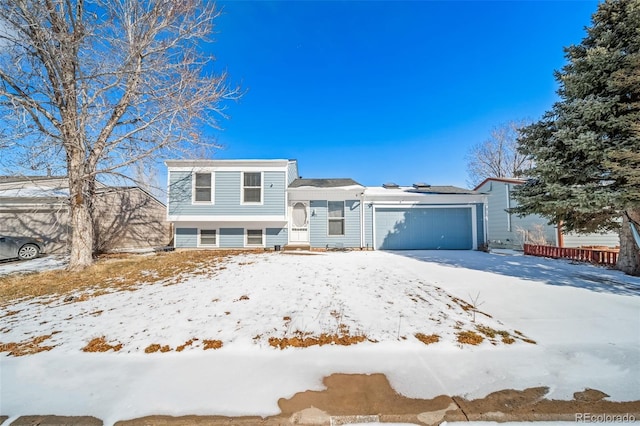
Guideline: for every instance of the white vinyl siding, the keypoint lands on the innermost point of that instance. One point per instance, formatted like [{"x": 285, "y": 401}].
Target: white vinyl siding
[
  {"x": 203, "y": 188},
  {"x": 208, "y": 238},
  {"x": 252, "y": 188},
  {"x": 335, "y": 217},
  {"x": 255, "y": 237}
]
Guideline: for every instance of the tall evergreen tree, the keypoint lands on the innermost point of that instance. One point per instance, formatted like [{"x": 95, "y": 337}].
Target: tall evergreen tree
[{"x": 586, "y": 149}]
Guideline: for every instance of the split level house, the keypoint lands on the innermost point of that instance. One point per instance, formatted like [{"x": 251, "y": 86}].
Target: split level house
[
  {"x": 126, "y": 218},
  {"x": 507, "y": 230},
  {"x": 266, "y": 204}
]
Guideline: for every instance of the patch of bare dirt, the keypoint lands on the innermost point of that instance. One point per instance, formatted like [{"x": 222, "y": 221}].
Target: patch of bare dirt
[
  {"x": 531, "y": 405},
  {"x": 590, "y": 395}
]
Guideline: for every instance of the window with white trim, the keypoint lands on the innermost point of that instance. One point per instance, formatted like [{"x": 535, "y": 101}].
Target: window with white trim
[
  {"x": 254, "y": 237},
  {"x": 203, "y": 188},
  {"x": 252, "y": 187},
  {"x": 335, "y": 217},
  {"x": 208, "y": 237}
]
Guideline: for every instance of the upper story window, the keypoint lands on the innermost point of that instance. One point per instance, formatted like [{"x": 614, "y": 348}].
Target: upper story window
[
  {"x": 203, "y": 188},
  {"x": 252, "y": 187},
  {"x": 336, "y": 217}
]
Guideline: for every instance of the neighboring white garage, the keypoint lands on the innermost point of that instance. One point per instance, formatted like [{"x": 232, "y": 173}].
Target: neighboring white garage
[{"x": 423, "y": 217}]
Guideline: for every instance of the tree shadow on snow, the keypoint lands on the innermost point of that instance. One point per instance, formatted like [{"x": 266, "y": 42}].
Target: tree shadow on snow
[{"x": 550, "y": 271}]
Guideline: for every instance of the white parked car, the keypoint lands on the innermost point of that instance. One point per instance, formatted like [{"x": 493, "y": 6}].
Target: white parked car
[{"x": 22, "y": 248}]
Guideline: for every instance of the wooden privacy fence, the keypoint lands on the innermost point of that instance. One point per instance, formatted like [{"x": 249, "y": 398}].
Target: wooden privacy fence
[{"x": 600, "y": 256}]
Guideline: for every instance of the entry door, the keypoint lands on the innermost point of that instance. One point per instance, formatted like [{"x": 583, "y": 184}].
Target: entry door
[{"x": 299, "y": 222}]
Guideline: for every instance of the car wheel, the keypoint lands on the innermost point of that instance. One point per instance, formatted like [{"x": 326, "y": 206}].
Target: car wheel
[{"x": 28, "y": 251}]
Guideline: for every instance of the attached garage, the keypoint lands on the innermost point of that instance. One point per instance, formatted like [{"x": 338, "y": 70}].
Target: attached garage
[
  {"x": 424, "y": 228},
  {"x": 423, "y": 217}
]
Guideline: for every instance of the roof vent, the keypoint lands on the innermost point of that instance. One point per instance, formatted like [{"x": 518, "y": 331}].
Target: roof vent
[
  {"x": 390, "y": 185},
  {"x": 421, "y": 185}
]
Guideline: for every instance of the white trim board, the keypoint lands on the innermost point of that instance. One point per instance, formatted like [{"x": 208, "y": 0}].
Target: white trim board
[{"x": 227, "y": 218}]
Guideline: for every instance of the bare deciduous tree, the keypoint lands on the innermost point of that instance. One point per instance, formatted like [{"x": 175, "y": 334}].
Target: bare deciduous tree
[
  {"x": 94, "y": 87},
  {"x": 497, "y": 156}
]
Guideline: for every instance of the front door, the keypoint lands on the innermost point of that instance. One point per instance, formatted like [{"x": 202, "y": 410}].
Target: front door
[{"x": 299, "y": 230}]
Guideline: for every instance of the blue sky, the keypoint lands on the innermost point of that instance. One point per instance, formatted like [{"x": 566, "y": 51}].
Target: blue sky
[{"x": 386, "y": 90}]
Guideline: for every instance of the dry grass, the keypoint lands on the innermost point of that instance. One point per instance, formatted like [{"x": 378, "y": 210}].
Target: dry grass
[
  {"x": 469, "y": 338},
  {"x": 207, "y": 344},
  {"x": 154, "y": 347},
  {"x": 27, "y": 347},
  {"x": 506, "y": 337},
  {"x": 187, "y": 343},
  {"x": 211, "y": 344},
  {"x": 99, "y": 344},
  {"x": 491, "y": 333},
  {"x": 112, "y": 273},
  {"x": 302, "y": 341},
  {"x": 427, "y": 339}
]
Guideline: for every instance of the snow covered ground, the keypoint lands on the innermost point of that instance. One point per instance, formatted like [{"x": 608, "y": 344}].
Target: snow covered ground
[
  {"x": 585, "y": 321},
  {"x": 44, "y": 263}
]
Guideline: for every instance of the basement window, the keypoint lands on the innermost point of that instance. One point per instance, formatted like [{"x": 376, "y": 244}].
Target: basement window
[
  {"x": 208, "y": 237},
  {"x": 255, "y": 237}
]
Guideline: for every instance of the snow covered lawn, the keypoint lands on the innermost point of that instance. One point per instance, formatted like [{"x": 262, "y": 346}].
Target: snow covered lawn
[
  {"x": 541, "y": 322},
  {"x": 44, "y": 263}
]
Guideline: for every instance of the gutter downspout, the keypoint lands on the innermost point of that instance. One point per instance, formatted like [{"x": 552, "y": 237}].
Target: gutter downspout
[
  {"x": 362, "y": 220},
  {"x": 485, "y": 220},
  {"x": 508, "y": 207}
]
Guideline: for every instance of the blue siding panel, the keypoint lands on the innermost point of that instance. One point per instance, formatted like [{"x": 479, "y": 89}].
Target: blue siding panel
[
  {"x": 277, "y": 236},
  {"x": 424, "y": 229},
  {"x": 231, "y": 237},
  {"x": 227, "y": 194},
  {"x": 318, "y": 225},
  {"x": 179, "y": 191},
  {"x": 186, "y": 237},
  {"x": 480, "y": 223}
]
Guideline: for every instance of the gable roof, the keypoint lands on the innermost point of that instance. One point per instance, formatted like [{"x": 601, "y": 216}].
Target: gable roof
[
  {"x": 504, "y": 180},
  {"x": 323, "y": 183}
]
